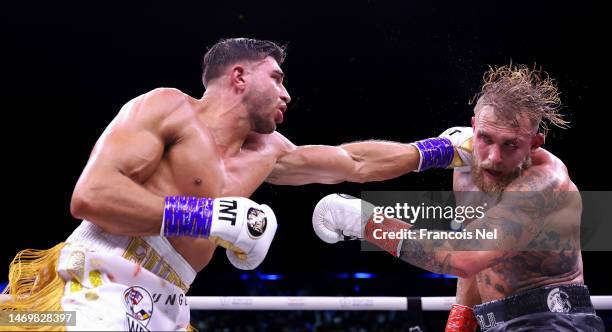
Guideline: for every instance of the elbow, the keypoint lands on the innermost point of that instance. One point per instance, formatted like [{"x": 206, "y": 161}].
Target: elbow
[
  {"x": 363, "y": 177},
  {"x": 81, "y": 204},
  {"x": 360, "y": 174},
  {"x": 359, "y": 179},
  {"x": 464, "y": 267},
  {"x": 462, "y": 273}
]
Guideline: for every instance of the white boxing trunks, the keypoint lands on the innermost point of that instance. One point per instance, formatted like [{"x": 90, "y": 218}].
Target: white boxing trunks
[{"x": 124, "y": 283}]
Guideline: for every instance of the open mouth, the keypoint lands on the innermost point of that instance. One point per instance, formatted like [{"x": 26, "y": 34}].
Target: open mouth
[
  {"x": 493, "y": 173},
  {"x": 278, "y": 118}
]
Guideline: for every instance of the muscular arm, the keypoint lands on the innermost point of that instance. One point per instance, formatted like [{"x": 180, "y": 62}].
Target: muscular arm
[
  {"x": 518, "y": 217},
  {"x": 109, "y": 192},
  {"x": 355, "y": 162},
  {"x": 467, "y": 292}
]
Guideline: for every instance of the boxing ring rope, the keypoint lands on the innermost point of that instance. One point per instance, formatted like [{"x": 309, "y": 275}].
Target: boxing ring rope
[
  {"x": 439, "y": 303},
  {"x": 432, "y": 303}
]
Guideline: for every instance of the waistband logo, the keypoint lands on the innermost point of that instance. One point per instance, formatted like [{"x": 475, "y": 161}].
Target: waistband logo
[
  {"x": 490, "y": 321},
  {"x": 558, "y": 301},
  {"x": 139, "y": 308}
]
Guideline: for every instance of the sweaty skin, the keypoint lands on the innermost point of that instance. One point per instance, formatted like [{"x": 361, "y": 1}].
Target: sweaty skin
[
  {"x": 539, "y": 210},
  {"x": 168, "y": 143},
  {"x": 514, "y": 272}
]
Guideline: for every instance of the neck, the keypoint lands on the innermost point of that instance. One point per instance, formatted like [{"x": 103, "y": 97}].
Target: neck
[{"x": 227, "y": 119}]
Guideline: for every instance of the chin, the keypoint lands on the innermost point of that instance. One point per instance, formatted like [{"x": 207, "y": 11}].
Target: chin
[
  {"x": 494, "y": 187},
  {"x": 486, "y": 184},
  {"x": 490, "y": 187},
  {"x": 268, "y": 129}
]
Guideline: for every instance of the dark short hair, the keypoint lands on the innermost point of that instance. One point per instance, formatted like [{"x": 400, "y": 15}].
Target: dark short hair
[{"x": 229, "y": 51}]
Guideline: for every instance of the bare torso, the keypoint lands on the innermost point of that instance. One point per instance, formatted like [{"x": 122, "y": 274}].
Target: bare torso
[
  {"x": 166, "y": 143},
  {"x": 193, "y": 164},
  {"x": 531, "y": 269}
]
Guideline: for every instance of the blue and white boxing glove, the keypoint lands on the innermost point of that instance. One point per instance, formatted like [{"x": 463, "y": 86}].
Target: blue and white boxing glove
[
  {"x": 246, "y": 229},
  {"x": 452, "y": 149}
]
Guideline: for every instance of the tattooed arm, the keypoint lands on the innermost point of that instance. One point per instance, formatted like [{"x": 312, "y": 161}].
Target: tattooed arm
[
  {"x": 467, "y": 292},
  {"x": 524, "y": 208}
]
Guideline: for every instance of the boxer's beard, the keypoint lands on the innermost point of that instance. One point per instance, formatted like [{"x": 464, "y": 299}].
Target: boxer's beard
[
  {"x": 478, "y": 175},
  {"x": 258, "y": 106}
]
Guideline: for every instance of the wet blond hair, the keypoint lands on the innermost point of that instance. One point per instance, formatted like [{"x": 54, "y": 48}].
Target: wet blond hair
[{"x": 517, "y": 90}]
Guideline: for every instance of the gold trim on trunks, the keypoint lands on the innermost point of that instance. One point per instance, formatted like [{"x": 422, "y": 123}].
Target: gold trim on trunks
[{"x": 140, "y": 252}]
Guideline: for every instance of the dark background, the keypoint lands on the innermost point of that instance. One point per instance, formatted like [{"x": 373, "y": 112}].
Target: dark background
[{"x": 393, "y": 70}]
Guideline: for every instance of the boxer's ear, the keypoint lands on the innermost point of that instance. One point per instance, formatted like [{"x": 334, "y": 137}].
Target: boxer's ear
[
  {"x": 237, "y": 77},
  {"x": 537, "y": 141}
]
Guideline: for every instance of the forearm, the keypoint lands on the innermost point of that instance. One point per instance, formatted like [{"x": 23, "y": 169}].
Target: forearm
[
  {"x": 461, "y": 317},
  {"x": 367, "y": 161},
  {"x": 449, "y": 253},
  {"x": 513, "y": 222},
  {"x": 431, "y": 259},
  {"x": 467, "y": 292},
  {"x": 381, "y": 160},
  {"x": 397, "y": 238},
  {"x": 119, "y": 206}
]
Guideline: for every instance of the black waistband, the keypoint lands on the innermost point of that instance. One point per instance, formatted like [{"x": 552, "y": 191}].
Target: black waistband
[{"x": 562, "y": 298}]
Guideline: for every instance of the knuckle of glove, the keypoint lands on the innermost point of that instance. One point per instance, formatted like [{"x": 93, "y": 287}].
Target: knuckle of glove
[
  {"x": 336, "y": 216},
  {"x": 461, "y": 138},
  {"x": 259, "y": 229},
  {"x": 323, "y": 221}
]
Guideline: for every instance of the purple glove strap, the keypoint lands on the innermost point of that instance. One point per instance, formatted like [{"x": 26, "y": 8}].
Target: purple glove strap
[
  {"x": 187, "y": 216},
  {"x": 436, "y": 152}
]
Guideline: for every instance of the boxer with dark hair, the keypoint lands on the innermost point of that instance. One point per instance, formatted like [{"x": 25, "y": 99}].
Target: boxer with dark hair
[{"x": 167, "y": 182}]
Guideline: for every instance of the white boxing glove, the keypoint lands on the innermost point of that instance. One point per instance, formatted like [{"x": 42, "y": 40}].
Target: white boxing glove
[
  {"x": 462, "y": 140},
  {"x": 339, "y": 217},
  {"x": 452, "y": 149},
  {"x": 247, "y": 240},
  {"x": 243, "y": 227}
]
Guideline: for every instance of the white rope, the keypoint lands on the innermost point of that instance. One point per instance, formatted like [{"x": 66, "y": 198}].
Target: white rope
[
  {"x": 602, "y": 302},
  {"x": 441, "y": 303},
  {"x": 436, "y": 303},
  {"x": 295, "y": 303}
]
